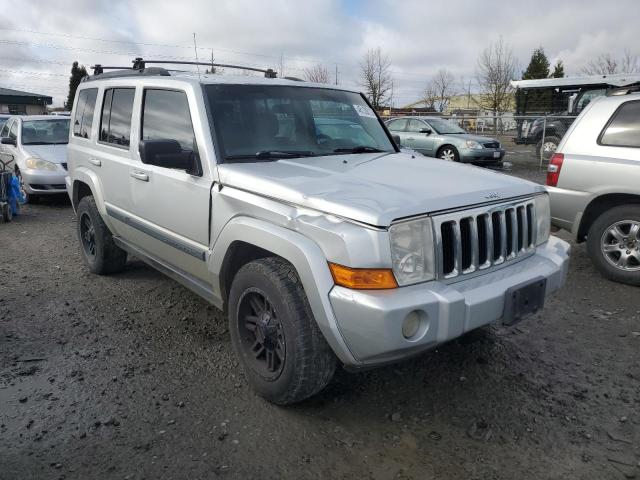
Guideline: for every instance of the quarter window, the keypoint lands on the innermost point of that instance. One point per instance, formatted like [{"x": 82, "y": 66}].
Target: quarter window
[
  {"x": 115, "y": 125},
  {"x": 165, "y": 116},
  {"x": 623, "y": 130},
  {"x": 83, "y": 119}
]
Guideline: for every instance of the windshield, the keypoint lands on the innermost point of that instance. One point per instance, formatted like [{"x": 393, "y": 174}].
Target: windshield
[
  {"x": 45, "y": 132},
  {"x": 257, "y": 122},
  {"x": 445, "y": 127}
]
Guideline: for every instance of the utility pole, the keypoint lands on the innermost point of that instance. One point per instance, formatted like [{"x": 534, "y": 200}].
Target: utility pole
[
  {"x": 281, "y": 65},
  {"x": 336, "y": 74}
]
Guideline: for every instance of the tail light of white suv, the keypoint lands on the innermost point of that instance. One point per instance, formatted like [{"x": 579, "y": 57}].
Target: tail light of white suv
[{"x": 553, "y": 171}]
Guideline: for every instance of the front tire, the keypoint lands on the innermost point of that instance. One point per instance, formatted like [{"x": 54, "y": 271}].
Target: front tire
[
  {"x": 7, "y": 213},
  {"x": 283, "y": 353},
  {"x": 99, "y": 252},
  {"x": 613, "y": 244},
  {"x": 448, "y": 153}
]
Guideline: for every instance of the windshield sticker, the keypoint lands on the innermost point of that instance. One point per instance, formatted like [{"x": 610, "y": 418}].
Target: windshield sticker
[{"x": 364, "y": 111}]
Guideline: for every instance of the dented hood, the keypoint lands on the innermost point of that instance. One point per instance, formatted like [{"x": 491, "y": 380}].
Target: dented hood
[{"x": 374, "y": 188}]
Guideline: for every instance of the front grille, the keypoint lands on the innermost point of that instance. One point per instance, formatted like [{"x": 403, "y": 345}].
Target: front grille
[
  {"x": 491, "y": 145},
  {"x": 479, "y": 239},
  {"x": 55, "y": 186}
]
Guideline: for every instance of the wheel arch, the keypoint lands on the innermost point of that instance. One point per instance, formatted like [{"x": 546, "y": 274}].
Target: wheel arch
[
  {"x": 244, "y": 239},
  {"x": 598, "y": 206},
  {"x": 86, "y": 182}
]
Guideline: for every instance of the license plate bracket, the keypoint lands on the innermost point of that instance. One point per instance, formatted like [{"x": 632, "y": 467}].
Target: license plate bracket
[
  {"x": 523, "y": 300},
  {"x": 496, "y": 154}
]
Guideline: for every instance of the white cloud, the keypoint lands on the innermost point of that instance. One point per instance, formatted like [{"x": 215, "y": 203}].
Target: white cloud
[{"x": 419, "y": 36}]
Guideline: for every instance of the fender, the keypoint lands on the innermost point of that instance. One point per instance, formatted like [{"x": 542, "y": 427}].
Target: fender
[
  {"x": 306, "y": 257},
  {"x": 89, "y": 177}
]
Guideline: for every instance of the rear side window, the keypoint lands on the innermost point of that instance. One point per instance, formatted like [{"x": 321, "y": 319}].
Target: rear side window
[
  {"x": 623, "y": 130},
  {"x": 165, "y": 116},
  {"x": 397, "y": 125},
  {"x": 115, "y": 124},
  {"x": 83, "y": 118}
]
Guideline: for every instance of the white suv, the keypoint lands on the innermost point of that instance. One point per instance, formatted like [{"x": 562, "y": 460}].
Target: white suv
[
  {"x": 288, "y": 205},
  {"x": 594, "y": 183}
]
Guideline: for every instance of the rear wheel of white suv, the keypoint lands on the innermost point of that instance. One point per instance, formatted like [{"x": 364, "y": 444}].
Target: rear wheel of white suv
[
  {"x": 97, "y": 247},
  {"x": 285, "y": 356},
  {"x": 613, "y": 243}
]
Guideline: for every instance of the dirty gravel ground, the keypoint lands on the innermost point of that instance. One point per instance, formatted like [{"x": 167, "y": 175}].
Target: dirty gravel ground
[{"x": 132, "y": 376}]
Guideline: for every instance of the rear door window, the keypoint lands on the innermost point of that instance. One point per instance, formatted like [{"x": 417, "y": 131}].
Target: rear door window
[
  {"x": 5, "y": 129},
  {"x": 115, "y": 124},
  {"x": 623, "y": 130},
  {"x": 83, "y": 118},
  {"x": 397, "y": 125}
]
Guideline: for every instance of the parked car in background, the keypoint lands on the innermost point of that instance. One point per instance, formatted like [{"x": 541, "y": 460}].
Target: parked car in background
[
  {"x": 440, "y": 138},
  {"x": 594, "y": 184},
  {"x": 38, "y": 145}
]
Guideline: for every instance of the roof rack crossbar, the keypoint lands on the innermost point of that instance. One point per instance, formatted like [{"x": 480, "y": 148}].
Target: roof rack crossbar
[{"x": 140, "y": 63}]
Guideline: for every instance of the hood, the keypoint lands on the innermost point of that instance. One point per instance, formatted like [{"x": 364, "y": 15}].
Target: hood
[
  {"x": 51, "y": 153},
  {"x": 374, "y": 188}
]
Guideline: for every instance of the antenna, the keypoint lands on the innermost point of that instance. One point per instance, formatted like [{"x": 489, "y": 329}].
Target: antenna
[{"x": 195, "y": 49}]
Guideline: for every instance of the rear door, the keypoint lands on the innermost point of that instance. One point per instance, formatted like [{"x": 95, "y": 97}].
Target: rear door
[
  {"x": 171, "y": 205},
  {"x": 397, "y": 127}
]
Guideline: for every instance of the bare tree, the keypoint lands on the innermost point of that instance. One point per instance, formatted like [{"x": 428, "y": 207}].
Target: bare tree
[
  {"x": 496, "y": 68},
  {"x": 430, "y": 96},
  {"x": 376, "y": 78},
  {"x": 318, "y": 74},
  {"x": 442, "y": 85},
  {"x": 607, "y": 64}
]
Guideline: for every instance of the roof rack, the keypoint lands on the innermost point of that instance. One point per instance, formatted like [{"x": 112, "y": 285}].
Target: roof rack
[
  {"x": 140, "y": 68},
  {"x": 614, "y": 92}
]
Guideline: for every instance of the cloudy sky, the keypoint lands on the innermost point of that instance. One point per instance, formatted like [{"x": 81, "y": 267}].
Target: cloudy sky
[{"x": 39, "y": 39}]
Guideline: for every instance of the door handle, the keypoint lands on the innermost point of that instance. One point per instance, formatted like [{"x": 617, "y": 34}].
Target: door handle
[
  {"x": 140, "y": 176},
  {"x": 95, "y": 161}
]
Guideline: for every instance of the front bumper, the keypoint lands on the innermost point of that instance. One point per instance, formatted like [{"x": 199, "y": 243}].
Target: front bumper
[
  {"x": 41, "y": 182},
  {"x": 469, "y": 155},
  {"x": 371, "y": 321}
]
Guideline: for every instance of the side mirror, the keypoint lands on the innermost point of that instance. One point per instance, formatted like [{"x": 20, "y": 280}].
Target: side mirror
[
  {"x": 168, "y": 154},
  {"x": 396, "y": 138},
  {"x": 8, "y": 141},
  {"x": 428, "y": 131}
]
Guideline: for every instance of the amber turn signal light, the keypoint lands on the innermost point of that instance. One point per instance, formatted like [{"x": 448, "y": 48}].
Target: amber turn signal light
[{"x": 363, "y": 278}]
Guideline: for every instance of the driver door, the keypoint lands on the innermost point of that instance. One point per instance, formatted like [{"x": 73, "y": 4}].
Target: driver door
[{"x": 419, "y": 141}]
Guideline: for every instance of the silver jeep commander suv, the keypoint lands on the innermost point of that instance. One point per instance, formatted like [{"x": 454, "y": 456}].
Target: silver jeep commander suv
[{"x": 322, "y": 245}]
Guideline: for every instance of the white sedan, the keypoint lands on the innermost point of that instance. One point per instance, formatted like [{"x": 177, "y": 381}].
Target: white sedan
[{"x": 38, "y": 146}]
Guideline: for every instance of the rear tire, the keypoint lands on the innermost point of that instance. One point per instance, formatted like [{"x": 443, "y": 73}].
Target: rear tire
[
  {"x": 284, "y": 355},
  {"x": 99, "y": 252},
  {"x": 449, "y": 153},
  {"x": 613, "y": 244},
  {"x": 546, "y": 150}
]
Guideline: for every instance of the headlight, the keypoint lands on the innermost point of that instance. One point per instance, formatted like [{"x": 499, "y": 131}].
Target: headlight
[
  {"x": 39, "y": 164},
  {"x": 543, "y": 218},
  {"x": 412, "y": 251},
  {"x": 473, "y": 144}
]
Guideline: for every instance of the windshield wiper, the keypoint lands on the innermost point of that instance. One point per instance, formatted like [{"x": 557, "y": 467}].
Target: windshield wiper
[
  {"x": 358, "y": 149},
  {"x": 273, "y": 154}
]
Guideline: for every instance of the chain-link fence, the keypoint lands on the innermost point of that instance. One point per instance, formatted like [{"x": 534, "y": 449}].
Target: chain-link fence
[{"x": 530, "y": 139}]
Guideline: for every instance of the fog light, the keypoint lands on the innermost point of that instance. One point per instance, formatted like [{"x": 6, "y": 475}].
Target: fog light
[{"x": 411, "y": 325}]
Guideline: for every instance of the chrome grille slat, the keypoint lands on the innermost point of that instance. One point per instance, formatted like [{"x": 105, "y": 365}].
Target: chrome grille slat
[{"x": 507, "y": 231}]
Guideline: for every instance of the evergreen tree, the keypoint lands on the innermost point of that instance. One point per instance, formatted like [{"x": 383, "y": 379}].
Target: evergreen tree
[
  {"x": 558, "y": 70},
  {"x": 538, "y": 66},
  {"x": 77, "y": 73}
]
